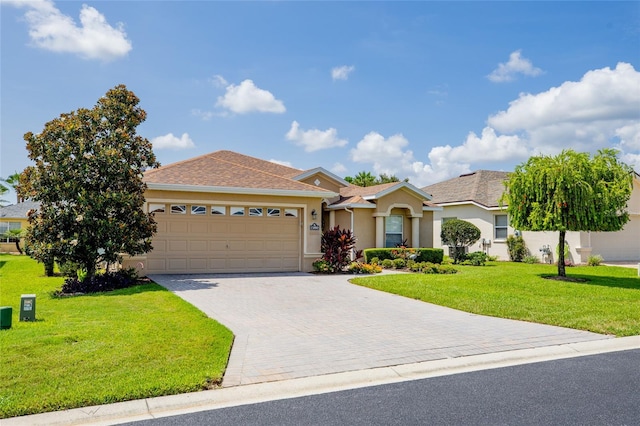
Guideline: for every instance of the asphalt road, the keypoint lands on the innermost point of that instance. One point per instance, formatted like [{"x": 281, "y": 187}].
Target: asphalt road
[{"x": 592, "y": 390}]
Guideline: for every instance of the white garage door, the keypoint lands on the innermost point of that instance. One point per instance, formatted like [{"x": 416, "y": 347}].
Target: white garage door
[{"x": 224, "y": 239}]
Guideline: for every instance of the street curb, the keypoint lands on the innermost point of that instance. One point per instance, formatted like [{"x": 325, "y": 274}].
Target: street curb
[{"x": 172, "y": 405}]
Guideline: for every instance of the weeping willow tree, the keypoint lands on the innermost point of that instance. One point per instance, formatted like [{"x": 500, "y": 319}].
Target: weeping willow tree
[{"x": 569, "y": 192}]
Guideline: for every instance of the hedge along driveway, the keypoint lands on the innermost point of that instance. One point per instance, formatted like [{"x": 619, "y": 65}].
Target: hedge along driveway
[
  {"x": 96, "y": 349},
  {"x": 298, "y": 325}
]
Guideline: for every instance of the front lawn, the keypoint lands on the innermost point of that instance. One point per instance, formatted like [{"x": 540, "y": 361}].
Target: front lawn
[
  {"x": 86, "y": 350},
  {"x": 608, "y": 303}
]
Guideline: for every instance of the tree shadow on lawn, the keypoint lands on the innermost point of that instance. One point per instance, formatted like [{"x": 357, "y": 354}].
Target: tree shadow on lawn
[{"x": 632, "y": 283}]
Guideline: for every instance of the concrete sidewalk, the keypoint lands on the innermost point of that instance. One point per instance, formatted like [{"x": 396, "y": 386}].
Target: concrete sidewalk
[{"x": 289, "y": 326}]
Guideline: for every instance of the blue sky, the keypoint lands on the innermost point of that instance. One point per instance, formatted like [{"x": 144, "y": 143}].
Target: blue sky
[{"x": 424, "y": 90}]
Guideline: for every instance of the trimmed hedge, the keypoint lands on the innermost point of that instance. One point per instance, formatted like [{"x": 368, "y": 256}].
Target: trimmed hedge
[{"x": 433, "y": 255}]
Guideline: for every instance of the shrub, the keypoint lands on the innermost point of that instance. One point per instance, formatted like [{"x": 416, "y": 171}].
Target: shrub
[
  {"x": 434, "y": 255},
  {"x": 387, "y": 264},
  {"x": 517, "y": 248},
  {"x": 363, "y": 268},
  {"x": 459, "y": 234},
  {"x": 446, "y": 269},
  {"x": 374, "y": 261},
  {"x": 594, "y": 260},
  {"x": 399, "y": 263},
  {"x": 531, "y": 259},
  {"x": 99, "y": 283},
  {"x": 477, "y": 258},
  {"x": 321, "y": 265},
  {"x": 69, "y": 269},
  {"x": 336, "y": 245}
]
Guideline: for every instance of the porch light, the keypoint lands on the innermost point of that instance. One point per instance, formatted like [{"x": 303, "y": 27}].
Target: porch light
[{"x": 314, "y": 214}]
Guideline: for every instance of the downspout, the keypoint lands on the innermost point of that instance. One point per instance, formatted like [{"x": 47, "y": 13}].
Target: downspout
[{"x": 352, "y": 255}]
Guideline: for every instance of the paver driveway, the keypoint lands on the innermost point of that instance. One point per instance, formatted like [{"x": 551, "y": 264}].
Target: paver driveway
[{"x": 298, "y": 325}]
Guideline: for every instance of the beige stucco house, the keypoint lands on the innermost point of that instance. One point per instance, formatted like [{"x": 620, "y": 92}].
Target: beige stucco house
[
  {"x": 228, "y": 212},
  {"x": 474, "y": 197},
  {"x": 14, "y": 216}
]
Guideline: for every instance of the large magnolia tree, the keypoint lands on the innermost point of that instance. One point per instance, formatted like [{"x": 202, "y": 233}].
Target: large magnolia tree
[
  {"x": 87, "y": 176},
  {"x": 569, "y": 192}
]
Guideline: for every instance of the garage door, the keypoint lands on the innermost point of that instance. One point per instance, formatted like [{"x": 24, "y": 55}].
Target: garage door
[{"x": 224, "y": 239}]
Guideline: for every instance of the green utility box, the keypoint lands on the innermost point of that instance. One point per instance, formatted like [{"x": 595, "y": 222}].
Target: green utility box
[
  {"x": 28, "y": 307},
  {"x": 5, "y": 317}
]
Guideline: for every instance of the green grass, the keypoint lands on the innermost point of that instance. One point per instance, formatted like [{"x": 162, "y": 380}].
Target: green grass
[
  {"x": 95, "y": 349},
  {"x": 609, "y": 302}
]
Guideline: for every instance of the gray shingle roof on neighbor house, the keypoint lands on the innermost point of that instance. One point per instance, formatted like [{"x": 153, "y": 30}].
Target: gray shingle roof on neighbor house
[
  {"x": 18, "y": 211},
  {"x": 484, "y": 187}
]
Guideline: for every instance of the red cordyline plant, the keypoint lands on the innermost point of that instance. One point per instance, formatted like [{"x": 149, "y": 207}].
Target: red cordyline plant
[{"x": 336, "y": 246}]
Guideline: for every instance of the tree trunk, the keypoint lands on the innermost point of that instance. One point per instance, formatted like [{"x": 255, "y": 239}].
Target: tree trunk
[
  {"x": 48, "y": 266},
  {"x": 18, "y": 246},
  {"x": 561, "y": 268}
]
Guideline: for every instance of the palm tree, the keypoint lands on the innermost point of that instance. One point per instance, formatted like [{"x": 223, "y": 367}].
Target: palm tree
[
  {"x": 15, "y": 234},
  {"x": 12, "y": 182},
  {"x": 362, "y": 179}
]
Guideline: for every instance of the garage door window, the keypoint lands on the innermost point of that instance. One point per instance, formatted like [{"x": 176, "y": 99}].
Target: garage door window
[
  {"x": 291, "y": 212},
  {"x": 218, "y": 210},
  {"x": 198, "y": 210},
  {"x": 156, "y": 208},
  {"x": 178, "y": 209},
  {"x": 237, "y": 211},
  {"x": 273, "y": 212},
  {"x": 255, "y": 211}
]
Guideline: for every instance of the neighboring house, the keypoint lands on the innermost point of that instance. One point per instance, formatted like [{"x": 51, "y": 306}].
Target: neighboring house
[
  {"x": 474, "y": 197},
  {"x": 228, "y": 212},
  {"x": 13, "y": 216}
]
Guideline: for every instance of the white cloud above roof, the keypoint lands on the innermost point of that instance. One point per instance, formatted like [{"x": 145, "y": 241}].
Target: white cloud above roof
[
  {"x": 169, "y": 141},
  {"x": 314, "y": 139},
  {"x": 94, "y": 38},
  {"x": 247, "y": 97},
  {"x": 516, "y": 65},
  {"x": 342, "y": 72}
]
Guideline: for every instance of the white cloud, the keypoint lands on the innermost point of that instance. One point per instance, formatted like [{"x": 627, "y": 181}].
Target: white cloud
[
  {"x": 342, "y": 73},
  {"x": 604, "y": 106},
  {"x": 94, "y": 38},
  {"x": 314, "y": 139},
  {"x": 390, "y": 156},
  {"x": 516, "y": 65},
  {"x": 599, "y": 111},
  {"x": 169, "y": 141},
  {"x": 487, "y": 147},
  {"x": 282, "y": 163},
  {"x": 247, "y": 97},
  {"x": 339, "y": 169},
  {"x": 218, "y": 81}
]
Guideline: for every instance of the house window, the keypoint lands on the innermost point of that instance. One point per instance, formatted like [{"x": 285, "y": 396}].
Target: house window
[
  {"x": 237, "y": 211},
  {"x": 273, "y": 212},
  {"x": 156, "y": 208},
  {"x": 255, "y": 211},
  {"x": 500, "y": 227},
  {"x": 393, "y": 230},
  {"x": 198, "y": 210},
  {"x": 291, "y": 212},
  {"x": 7, "y": 226},
  {"x": 218, "y": 210},
  {"x": 178, "y": 209}
]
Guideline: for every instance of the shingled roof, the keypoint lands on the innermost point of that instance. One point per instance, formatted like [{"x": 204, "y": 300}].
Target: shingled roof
[
  {"x": 484, "y": 187},
  {"x": 18, "y": 211},
  {"x": 227, "y": 169}
]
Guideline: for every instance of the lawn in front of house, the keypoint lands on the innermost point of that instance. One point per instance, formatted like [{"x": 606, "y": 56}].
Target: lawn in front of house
[
  {"x": 85, "y": 350},
  {"x": 608, "y": 302}
]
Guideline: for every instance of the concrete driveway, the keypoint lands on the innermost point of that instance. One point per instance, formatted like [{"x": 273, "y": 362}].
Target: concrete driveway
[{"x": 297, "y": 325}]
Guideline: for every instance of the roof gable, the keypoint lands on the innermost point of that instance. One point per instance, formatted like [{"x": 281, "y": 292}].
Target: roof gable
[
  {"x": 483, "y": 187},
  {"x": 226, "y": 169}
]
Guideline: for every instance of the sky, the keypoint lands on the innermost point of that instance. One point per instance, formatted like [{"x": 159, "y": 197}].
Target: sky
[{"x": 421, "y": 90}]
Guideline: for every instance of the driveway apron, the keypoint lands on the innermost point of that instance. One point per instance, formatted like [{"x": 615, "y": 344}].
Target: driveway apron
[{"x": 297, "y": 325}]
